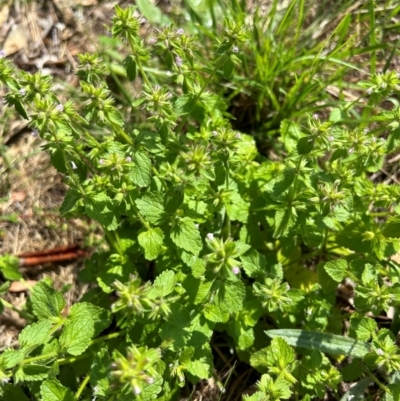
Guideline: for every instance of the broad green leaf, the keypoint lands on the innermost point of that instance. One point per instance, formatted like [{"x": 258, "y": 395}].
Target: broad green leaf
[
  {"x": 230, "y": 296},
  {"x": 77, "y": 334},
  {"x": 305, "y": 145},
  {"x": 164, "y": 284},
  {"x": 36, "y": 333},
  {"x": 324, "y": 342},
  {"x": 9, "y": 267},
  {"x": 176, "y": 330},
  {"x": 336, "y": 269},
  {"x": 100, "y": 317},
  {"x": 53, "y": 390},
  {"x": 100, "y": 374},
  {"x": 151, "y": 207},
  {"x": 100, "y": 208},
  {"x": 152, "y": 242},
  {"x": 253, "y": 263},
  {"x": 141, "y": 172},
  {"x": 391, "y": 229},
  {"x": 201, "y": 365},
  {"x": 11, "y": 357},
  {"x": 151, "y": 12},
  {"x": 32, "y": 372},
  {"x": 46, "y": 301},
  {"x": 186, "y": 235},
  {"x": 14, "y": 393},
  {"x": 362, "y": 327}
]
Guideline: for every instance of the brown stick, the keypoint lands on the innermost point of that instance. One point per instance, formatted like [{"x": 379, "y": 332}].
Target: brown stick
[
  {"x": 59, "y": 249},
  {"x": 51, "y": 258}
]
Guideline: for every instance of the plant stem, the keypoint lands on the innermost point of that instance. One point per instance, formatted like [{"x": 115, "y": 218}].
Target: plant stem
[
  {"x": 25, "y": 315},
  {"x": 81, "y": 387}
]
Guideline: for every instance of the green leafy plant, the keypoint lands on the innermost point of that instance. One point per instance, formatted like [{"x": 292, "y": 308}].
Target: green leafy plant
[{"x": 205, "y": 234}]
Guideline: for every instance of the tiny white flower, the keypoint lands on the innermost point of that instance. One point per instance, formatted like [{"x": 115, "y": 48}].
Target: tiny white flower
[
  {"x": 169, "y": 95},
  {"x": 370, "y": 90},
  {"x": 215, "y": 133},
  {"x": 137, "y": 390},
  {"x": 366, "y": 130},
  {"x": 22, "y": 91},
  {"x": 101, "y": 161},
  {"x": 2, "y": 53},
  {"x": 128, "y": 159},
  {"x": 210, "y": 236},
  {"x": 235, "y": 49},
  {"x": 196, "y": 225},
  {"x": 330, "y": 138},
  {"x": 315, "y": 116},
  {"x": 351, "y": 151},
  {"x": 60, "y": 107},
  {"x": 152, "y": 41},
  {"x": 379, "y": 352},
  {"x": 237, "y": 136},
  {"x": 35, "y": 133},
  {"x": 73, "y": 165},
  {"x": 178, "y": 61},
  {"x": 288, "y": 287},
  {"x": 150, "y": 380},
  {"x": 180, "y": 31},
  {"x": 309, "y": 311},
  {"x": 235, "y": 270}
]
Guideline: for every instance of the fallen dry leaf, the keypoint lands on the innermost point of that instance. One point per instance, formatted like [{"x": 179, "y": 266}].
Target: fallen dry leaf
[
  {"x": 16, "y": 40},
  {"x": 20, "y": 286}
]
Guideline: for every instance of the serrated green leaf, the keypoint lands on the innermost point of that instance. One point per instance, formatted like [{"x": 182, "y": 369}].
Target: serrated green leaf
[
  {"x": 362, "y": 327},
  {"x": 46, "y": 301},
  {"x": 324, "y": 342},
  {"x": 164, "y": 284},
  {"x": 9, "y": 267},
  {"x": 336, "y": 269},
  {"x": 100, "y": 208},
  {"x": 176, "y": 330},
  {"x": 53, "y": 390},
  {"x": 186, "y": 235},
  {"x": 31, "y": 372},
  {"x": 35, "y": 334},
  {"x": 151, "y": 207},
  {"x": 305, "y": 145},
  {"x": 391, "y": 229},
  {"x": 100, "y": 317},
  {"x": 11, "y": 357},
  {"x": 151, "y": 241},
  {"x": 231, "y": 296},
  {"x": 141, "y": 172},
  {"x": 77, "y": 334},
  {"x": 253, "y": 263},
  {"x": 100, "y": 373},
  {"x": 13, "y": 393}
]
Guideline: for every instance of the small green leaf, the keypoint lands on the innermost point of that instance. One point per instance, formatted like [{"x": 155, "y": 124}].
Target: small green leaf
[
  {"x": 46, "y": 301},
  {"x": 53, "y": 390},
  {"x": 141, "y": 172},
  {"x": 164, "y": 284},
  {"x": 77, "y": 334},
  {"x": 253, "y": 263},
  {"x": 151, "y": 207},
  {"x": 13, "y": 393},
  {"x": 336, "y": 269},
  {"x": 324, "y": 342},
  {"x": 9, "y": 267},
  {"x": 130, "y": 66},
  {"x": 186, "y": 235},
  {"x": 305, "y": 145},
  {"x": 151, "y": 241},
  {"x": 36, "y": 333},
  {"x": 391, "y": 228},
  {"x": 101, "y": 317}
]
